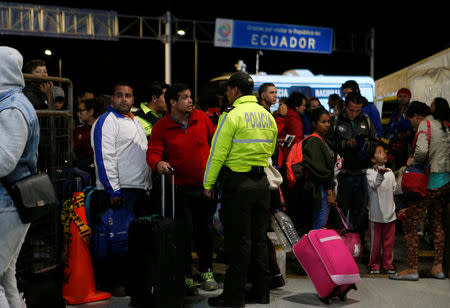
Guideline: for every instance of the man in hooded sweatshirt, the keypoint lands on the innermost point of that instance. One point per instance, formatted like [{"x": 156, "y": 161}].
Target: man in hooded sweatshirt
[{"x": 19, "y": 141}]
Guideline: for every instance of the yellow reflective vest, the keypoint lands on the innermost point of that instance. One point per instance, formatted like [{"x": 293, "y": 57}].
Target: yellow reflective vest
[
  {"x": 246, "y": 136},
  {"x": 147, "y": 118}
]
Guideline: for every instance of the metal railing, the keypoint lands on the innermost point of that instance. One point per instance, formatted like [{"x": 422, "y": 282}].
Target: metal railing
[
  {"x": 56, "y": 130},
  {"x": 41, "y": 251}
]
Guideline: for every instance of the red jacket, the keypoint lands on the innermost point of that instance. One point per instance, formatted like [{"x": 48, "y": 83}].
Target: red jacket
[
  {"x": 280, "y": 122},
  {"x": 186, "y": 150},
  {"x": 293, "y": 126}
]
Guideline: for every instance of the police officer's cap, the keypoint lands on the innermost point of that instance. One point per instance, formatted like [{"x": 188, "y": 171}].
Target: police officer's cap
[{"x": 242, "y": 81}]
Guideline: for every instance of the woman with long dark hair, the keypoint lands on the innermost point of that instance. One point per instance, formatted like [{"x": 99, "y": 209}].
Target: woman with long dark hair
[
  {"x": 319, "y": 161},
  {"x": 438, "y": 189}
]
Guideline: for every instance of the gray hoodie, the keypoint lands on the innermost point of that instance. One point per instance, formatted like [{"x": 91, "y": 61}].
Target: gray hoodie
[
  {"x": 10, "y": 69},
  {"x": 15, "y": 112}
]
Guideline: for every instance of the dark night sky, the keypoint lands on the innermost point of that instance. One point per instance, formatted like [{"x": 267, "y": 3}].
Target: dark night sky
[{"x": 404, "y": 35}]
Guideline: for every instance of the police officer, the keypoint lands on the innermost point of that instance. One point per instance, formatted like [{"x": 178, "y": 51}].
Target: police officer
[
  {"x": 242, "y": 144},
  {"x": 152, "y": 111}
]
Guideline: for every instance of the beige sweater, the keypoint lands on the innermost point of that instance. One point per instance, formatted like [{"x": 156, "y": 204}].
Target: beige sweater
[{"x": 439, "y": 146}]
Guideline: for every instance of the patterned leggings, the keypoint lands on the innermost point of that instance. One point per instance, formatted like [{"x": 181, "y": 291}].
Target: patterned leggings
[{"x": 434, "y": 201}]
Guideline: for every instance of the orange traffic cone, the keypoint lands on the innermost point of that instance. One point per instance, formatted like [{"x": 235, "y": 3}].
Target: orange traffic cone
[{"x": 79, "y": 281}]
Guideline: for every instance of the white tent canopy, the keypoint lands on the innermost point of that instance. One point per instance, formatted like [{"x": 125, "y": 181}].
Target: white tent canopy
[{"x": 426, "y": 79}]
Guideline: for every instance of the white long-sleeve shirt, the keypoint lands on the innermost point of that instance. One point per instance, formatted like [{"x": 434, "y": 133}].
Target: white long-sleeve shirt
[
  {"x": 120, "y": 146},
  {"x": 381, "y": 196}
]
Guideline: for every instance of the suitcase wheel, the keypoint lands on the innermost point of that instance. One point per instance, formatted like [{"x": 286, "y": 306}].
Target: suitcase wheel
[
  {"x": 336, "y": 292},
  {"x": 343, "y": 294}
]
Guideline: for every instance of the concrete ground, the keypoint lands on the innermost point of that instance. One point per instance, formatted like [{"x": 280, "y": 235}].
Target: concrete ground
[
  {"x": 373, "y": 291},
  {"x": 299, "y": 292}
]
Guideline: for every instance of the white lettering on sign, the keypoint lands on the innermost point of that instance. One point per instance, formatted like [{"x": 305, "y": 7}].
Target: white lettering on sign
[
  {"x": 280, "y": 30},
  {"x": 255, "y": 28},
  {"x": 303, "y": 32},
  {"x": 283, "y": 41},
  {"x": 282, "y": 92},
  {"x": 264, "y": 40},
  {"x": 325, "y": 92}
]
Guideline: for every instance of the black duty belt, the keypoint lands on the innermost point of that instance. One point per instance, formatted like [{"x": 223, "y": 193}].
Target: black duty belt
[{"x": 255, "y": 171}]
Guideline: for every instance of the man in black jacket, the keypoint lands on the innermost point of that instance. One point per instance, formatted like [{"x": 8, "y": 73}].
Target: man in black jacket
[{"x": 351, "y": 136}]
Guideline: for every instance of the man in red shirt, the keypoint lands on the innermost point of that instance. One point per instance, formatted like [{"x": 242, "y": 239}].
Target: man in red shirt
[{"x": 180, "y": 143}]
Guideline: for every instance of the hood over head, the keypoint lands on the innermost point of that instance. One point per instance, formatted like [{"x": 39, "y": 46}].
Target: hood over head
[{"x": 11, "y": 62}]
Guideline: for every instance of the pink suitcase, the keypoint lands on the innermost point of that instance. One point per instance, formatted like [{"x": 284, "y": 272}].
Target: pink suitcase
[{"x": 328, "y": 263}]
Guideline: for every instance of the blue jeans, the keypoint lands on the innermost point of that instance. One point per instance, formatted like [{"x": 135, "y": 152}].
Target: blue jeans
[
  {"x": 136, "y": 201},
  {"x": 12, "y": 235},
  {"x": 320, "y": 213}
]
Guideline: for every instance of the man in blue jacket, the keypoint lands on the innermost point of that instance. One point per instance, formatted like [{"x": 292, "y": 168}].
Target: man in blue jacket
[
  {"x": 399, "y": 131},
  {"x": 398, "y": 122}
]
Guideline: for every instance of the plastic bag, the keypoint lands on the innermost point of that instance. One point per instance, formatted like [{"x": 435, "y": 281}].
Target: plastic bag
[{"x": 283, "y": 226}]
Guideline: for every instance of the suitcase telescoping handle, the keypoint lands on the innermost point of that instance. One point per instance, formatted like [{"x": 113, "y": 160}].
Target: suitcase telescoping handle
[{"x": 163, "y": 195}]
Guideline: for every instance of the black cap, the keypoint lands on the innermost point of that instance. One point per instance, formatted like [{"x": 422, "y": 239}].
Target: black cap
[{"x": 242, "y": 81}]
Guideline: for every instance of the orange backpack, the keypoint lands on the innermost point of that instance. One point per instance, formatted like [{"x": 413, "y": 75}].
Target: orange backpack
[{"x": 295, "y": 170}]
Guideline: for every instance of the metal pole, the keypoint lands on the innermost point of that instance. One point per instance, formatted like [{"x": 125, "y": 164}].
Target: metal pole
[
  {"x": 258, "y": 54},
  {"x": 257, "y": 63},
  {"x": 168, "y": 48},
  {"x": 60, "y": 69},
  {"x": 372, "y": 53}
]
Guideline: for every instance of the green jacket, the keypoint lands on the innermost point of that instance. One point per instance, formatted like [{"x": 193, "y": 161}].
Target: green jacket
[
  {"x": 319, "y": 160},
  {"x": 246, "y": 136},
  {"x": 147, "y": 118}
]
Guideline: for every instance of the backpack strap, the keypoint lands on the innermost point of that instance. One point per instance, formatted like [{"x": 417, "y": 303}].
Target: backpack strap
[
  {"x": 313, "y": 135},
  {"x": 428, "y": 132}
]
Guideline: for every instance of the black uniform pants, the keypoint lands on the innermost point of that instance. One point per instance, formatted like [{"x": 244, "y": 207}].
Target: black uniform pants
[
  {"x": 244, "y": 212},
  {"x": 196, "y": 212}
]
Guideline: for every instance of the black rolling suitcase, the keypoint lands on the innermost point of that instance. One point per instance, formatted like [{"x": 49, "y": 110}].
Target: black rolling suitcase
[{"x": 156, "y": 259}]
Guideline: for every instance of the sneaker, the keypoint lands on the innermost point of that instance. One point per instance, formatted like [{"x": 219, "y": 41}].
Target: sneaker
[
  {"x": 374, "y": 271},
  {"x": 208, "y": 282},
  {"x": 190, "y": 288},
  {"x": 277, "y": 281},
  {"x": 389, "y": 271},
  {"x": 408, "y": 277}
]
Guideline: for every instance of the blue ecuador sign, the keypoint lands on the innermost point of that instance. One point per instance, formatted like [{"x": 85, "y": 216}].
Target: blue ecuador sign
[{"x": 260, "y": 35}]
